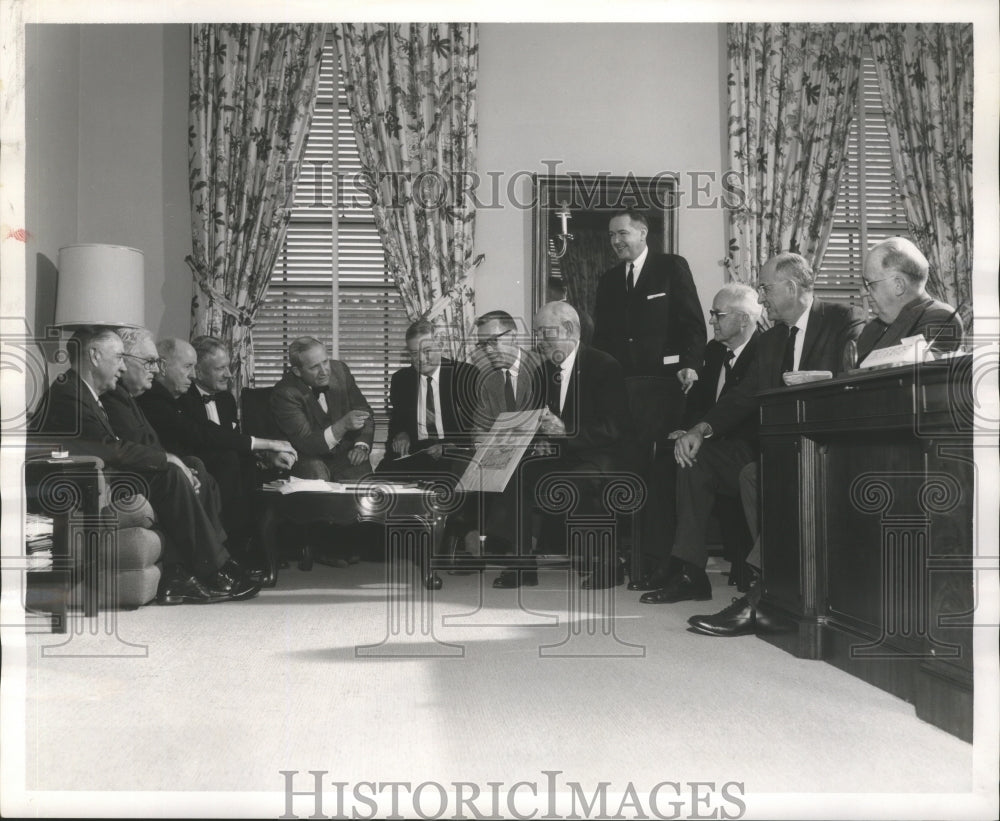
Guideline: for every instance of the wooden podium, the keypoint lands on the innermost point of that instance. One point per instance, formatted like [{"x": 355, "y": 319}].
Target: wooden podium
[{"x": 868, "y": 486}]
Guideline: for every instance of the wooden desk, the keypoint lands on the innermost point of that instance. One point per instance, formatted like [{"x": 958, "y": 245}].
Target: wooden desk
[{"x": 868, "y": 485}]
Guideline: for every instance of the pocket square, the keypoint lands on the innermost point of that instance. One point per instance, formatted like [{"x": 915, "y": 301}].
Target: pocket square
[
  {"x": 654, "y": 296},
  {"x": 671, "y": 360}
]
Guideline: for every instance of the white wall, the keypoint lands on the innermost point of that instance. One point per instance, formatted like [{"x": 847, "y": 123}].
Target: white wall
[
  {"x": 640, "y": 98},
  {"x": 107, "y": 156},
  {"x": 107, "y": 142}
]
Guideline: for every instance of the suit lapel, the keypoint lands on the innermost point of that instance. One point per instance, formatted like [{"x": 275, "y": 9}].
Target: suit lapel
[{"x": 814, "y": 330}]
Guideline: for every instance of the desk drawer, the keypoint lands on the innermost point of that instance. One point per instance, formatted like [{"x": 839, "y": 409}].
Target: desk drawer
[{"x": 858, "y": 402}]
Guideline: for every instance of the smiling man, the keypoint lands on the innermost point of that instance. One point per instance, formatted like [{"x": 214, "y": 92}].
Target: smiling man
[{"x": 648, "y": 317}]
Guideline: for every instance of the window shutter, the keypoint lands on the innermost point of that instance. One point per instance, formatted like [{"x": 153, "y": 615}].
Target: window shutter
[
  {"x": 869, "y": 203},
  {"x": 332, "y": 234}
]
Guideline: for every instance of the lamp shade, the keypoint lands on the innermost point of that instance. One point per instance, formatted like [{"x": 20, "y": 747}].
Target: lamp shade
[{"x": 100, "y": 285}]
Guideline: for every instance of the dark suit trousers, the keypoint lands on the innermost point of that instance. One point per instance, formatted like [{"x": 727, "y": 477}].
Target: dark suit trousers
[
  {"x": 234, "y": 474},
  {"x": 659, "y": 516},
  {"x": 192, "y": 538},
  {"x": 716, "y": 472},
  {"x": 332, "y": 468}
]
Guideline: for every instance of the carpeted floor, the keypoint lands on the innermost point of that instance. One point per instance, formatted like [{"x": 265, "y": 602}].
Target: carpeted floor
[{"x": 314, "y": 675}]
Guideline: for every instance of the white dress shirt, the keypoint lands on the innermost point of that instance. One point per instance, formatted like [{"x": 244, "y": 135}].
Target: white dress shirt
[{"x": 422, "y": 405}]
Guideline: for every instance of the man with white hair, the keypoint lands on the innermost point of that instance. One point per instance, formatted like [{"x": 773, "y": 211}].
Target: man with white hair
[
  {"x": 895, "y": 282},
  {"x": 734, "y": 316},
  {"x": 585, "y": 428}
]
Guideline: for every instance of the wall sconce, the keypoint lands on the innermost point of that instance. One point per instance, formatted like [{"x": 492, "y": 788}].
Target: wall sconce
[
  {"x": 563, "y": 236},
  {"x": 100, "y": 285}
]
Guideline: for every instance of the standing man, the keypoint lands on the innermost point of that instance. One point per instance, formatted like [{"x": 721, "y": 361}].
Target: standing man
[
  {"x": 808, "y": 334},
  {"x": 320, "y": 408},
  {"x": 648, "y": 317},
  {"x": 432, "y": 404},
  {"x": 895, "y": 281},
  {"x": 734, "y": 315}
]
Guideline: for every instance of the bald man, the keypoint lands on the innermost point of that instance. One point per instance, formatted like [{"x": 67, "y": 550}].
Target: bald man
[{"x": 895, "y": 282}]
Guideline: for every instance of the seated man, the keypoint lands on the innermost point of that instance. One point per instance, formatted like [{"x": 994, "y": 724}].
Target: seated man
[
  {"x": 734, "y": 315},
  {"x": 895, "y": 280},
  {"x": 223, "y": 449},
  {"x": 432, "y": 407},
  {"x": 808, "y": 334},
  {"x": 319, "y": 407},
  {"x": 895, "y": 276},
  {"x": 585, "y": 429},
  {"x": 196, "y": 566}
]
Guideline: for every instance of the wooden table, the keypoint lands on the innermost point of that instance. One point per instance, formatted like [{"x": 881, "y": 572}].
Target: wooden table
[{"x": 868, "y": 485}]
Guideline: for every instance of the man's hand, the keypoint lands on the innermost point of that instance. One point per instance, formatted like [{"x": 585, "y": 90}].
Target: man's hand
[
  {"x": 352, "y": 420},
  {"x": 357, "y": 455},
  {"x": 189, "y": 474},
  {"x": 687, "y": 377},
  {"x": 280, "y": 459},
  {"x": 543, "y": 448},
  {"x": 551, "y": 425},
  {"x": 435, "y": 451},
  {"x": 401, "y": 444},
  {"x": 676, "y": 434},
  {"x": 686, "y": 447}
]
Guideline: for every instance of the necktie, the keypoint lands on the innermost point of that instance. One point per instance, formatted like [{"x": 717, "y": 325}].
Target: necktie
[
  {"x": 209, "y": 397},
  {"x": 728, "y": 364},
  {"x": 319, "y": 390},
  {"x": 430, "y": 416},
  {"x": 508, "y": 391},
  {"x": 630, "y": 280},
  {"x": 788, "y": 361}
]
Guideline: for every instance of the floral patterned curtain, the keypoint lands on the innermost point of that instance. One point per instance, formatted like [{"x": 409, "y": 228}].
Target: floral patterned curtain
[
  {"x": 925, "y": 75},
  {"x": 251, "y": 101},
  {"x": 411, "y": 90},
  {"x": 792, "y": 88}
]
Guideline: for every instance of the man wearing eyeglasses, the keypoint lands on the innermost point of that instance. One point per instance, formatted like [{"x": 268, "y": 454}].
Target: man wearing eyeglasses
[
  {"x": 808, "y": 334},
  {"x": 198, "y": 568},
  {"x": 895, "y": 282},
  {"x": 734, "y": 316}
]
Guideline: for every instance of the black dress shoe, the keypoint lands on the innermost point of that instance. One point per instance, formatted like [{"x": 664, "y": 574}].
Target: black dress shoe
[
  {"x": 516, "y": 578},
  {"x": 650, "y": 581},
  {"x": 738, "y": 619},
  {"x": 232, "y": 581},
  {"x": 432, "y": 581},
  {"x": 690, "y": 584},
  {"x": 603, "y": 578},
  {"x": 187, "y": 590}
]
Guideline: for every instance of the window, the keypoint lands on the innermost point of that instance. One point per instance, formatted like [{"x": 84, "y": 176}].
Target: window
[
  {"x": 869, "y": 203},
  {"x": 330, "y": 281}
]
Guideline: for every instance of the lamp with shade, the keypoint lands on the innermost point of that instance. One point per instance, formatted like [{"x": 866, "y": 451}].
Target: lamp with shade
[{"x": 100, "y": 285}]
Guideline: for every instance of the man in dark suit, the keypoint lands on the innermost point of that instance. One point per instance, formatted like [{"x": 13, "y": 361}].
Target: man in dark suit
[
  {"x": 320, "y": 408},
  {"x": 895, "y": 281},
  {"x": 432, "y": 407},
  {"x": 808, "y": 335},
  {"x": 585, "y": 427},
  {"x": 197, "y": 567},
  {"x": 648, "y": 317},
  {"x": 207, "y": 425},
  {"x": 733, "y": 317}
]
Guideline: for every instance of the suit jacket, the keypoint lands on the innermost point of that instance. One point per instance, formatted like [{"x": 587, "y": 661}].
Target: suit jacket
[
  {"x": 922, "y": 315},
  {"x": 193, "y": 407},
  {"x": 596, "y": 415},
  {"x": 180, "y": 433},
  {"x": 302, "y": 419},
  {"x": 71, "y": 412},
  {"x": 458, "y": 395},
  {"x": 661, "y": 318},
  {"x": 529, "y": 393},
  {"x": 829, "y": 329},
  {"x": 702, "y": 396},
  {"x": 127, "y": 418}
]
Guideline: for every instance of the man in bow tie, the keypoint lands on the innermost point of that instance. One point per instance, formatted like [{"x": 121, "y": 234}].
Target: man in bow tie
[
  {"x": 225, "y": 451},
  {"x": 320, "y": 408}
]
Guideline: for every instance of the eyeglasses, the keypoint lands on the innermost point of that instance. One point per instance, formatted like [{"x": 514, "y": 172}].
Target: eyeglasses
[
  {"x": 866, "y": 284},
  {"x": 494, "y": 341},
  {"x": 148, "y": 364},
  {"x": 718, "y": 314}
]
